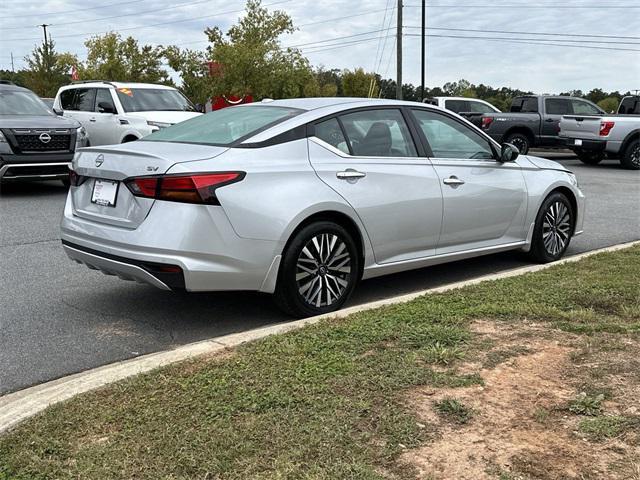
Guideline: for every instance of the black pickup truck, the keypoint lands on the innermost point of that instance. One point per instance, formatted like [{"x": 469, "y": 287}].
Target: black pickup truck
[
  {"x": 35, "y": 142},
  {"x": 533, "y": 120}
]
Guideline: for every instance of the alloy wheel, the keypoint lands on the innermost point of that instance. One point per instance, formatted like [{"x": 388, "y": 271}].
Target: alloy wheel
[
  {"x": 323, "y": 270},
  {"x": 635, "y": 156},
  {"x": 556, "y": 228}
]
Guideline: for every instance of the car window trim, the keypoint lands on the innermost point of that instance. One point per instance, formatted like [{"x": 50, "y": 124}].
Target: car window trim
[{"x": 430, "y": 154}]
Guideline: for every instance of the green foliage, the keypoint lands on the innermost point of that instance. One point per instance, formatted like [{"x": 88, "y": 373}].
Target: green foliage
[
  {"x": 110, "y": 57},
  {"x": 609, "y": 104},
  {"x": 47, "y": 70},
  {"x": 453, "y": 409},
  {"x": 253, "y": 61},
  {"x": 194, "y": 72},
  {"x": 358, "y": 83},
  {"x": 585, "y": 404}
]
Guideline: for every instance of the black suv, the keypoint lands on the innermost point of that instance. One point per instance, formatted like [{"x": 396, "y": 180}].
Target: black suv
[{"x": 35, "y": 142}]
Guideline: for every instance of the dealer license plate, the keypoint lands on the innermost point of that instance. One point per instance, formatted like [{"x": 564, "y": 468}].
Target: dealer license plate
[{"x": 105, "y": 192}]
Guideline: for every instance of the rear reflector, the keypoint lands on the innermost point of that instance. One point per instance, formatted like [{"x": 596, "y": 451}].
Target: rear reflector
[
  {"x": 605, "y": 128},
  {"x": 486, "y": 121},
  {"x": 196, "y": 188}
]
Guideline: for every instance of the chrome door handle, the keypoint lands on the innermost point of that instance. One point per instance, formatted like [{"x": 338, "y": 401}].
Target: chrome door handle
[
  {"x": 92, "y": 119},
  {"x": 350, "y": 174},
  {"x": 453, "y": 181}
]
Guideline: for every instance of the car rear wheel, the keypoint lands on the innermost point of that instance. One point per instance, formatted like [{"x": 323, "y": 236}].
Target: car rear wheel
[
  {"x": 590, "y": 158},
  {"x": 520, "y": 140},
  {"x": 631, "y": 157},
  {"x": 320, "y": 269},
  {"x": 553, "y": 230}
]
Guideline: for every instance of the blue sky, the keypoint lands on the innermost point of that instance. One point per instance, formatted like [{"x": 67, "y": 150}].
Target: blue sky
[{"x": 540, "y": 68}]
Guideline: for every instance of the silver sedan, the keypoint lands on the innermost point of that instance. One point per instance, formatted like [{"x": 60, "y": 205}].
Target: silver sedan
[{"x": 304, "y": 198}]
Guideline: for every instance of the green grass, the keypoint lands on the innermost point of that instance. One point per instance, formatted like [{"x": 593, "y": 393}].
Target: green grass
[
  {"x": 325, "y": 402},
  {"x": 602, "y": 427},
  {"x": 585, "y": 404},
  {"x": 454, "y": 410}
]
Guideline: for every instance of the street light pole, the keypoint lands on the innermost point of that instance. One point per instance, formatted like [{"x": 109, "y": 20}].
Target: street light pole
[
  {"x": 44, "y": 28},
  {"x": 422, "y": 50},
  {"x": 399, "y": 53}
]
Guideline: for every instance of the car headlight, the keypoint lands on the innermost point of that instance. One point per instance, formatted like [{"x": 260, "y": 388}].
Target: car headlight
[
  {"x": 158, "y": 124},
  {"x": 81, "y": 137},
  {"x": 573, "y": 179}
]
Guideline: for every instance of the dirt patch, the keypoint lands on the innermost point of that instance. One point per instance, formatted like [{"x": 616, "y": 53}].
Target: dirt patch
[{"x": 517, "y": 430}]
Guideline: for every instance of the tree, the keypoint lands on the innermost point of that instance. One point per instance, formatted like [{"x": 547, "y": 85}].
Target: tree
[
  {"x": 358, "y": 83},
  {"x": 47, "y": 70},
  {"x": 609, "y": 104},
  {"x": 194, "y": 72},
  {"x": 110, "y": 57},
  {"x": 251, "y": 59}
]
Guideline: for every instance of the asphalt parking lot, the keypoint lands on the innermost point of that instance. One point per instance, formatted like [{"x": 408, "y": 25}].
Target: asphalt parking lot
[{"x": 58, "y": 318}]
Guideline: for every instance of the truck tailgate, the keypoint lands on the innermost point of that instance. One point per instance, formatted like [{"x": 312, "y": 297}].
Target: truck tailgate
[{"x": 580, "y": 126}]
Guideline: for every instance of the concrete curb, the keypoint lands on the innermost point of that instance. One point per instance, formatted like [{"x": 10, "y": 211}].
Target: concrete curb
[{"x": 18, "y": 406}]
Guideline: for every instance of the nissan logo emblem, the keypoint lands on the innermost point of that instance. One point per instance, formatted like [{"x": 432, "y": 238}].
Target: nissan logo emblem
[
  {"x": 99, "y": 160},
  {"x": 45, "y": 137}
]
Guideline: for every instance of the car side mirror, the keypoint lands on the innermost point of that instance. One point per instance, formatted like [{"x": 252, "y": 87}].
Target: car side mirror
[
  {"x": 58, "y": 112},
  {"x": 104, "y": 107},
  {"x": 508, "y": 153}
]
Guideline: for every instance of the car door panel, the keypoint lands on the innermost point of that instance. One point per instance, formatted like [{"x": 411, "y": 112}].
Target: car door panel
[{"x": 106, "y": 126}]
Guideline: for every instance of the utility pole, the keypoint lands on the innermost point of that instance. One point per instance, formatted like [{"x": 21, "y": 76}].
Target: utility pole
[
  {"x": 399, "y": 53},
  {"x": 12, "y": 69},
  {"x": 44, "y": 27},
  {"x": 422, "y": 50}
]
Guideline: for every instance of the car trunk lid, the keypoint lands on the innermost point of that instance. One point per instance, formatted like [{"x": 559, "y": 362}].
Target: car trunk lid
[
  {"x": 580, "y": 126},
  {"x": 119, "y": 162}
]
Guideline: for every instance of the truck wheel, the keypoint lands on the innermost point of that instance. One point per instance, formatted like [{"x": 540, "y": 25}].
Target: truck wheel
[
  {"x": 520, "y": 140},
  {"x": 590, "y": 158},
  {"x": 631, "y": 157}
]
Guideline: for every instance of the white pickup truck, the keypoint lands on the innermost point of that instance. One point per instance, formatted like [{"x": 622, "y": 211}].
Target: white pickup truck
[{"x": 592, "y": 137}]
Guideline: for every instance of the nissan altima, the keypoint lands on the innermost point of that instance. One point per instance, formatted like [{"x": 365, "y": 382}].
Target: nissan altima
[{"x": 304, "y": 198}]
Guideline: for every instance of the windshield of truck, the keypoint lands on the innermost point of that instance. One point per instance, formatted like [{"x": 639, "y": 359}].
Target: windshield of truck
[
  {"x": 17, "y": 102},
  {"x": 153, "y": 99}
]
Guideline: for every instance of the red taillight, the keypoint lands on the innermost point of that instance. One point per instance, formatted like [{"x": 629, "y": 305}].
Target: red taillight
[
  {"x": 605, "y": 128},
  {"x": 75, "y": 179},
  {"x": 486, "y": 121},
  {"x": 197, "y": 188}
]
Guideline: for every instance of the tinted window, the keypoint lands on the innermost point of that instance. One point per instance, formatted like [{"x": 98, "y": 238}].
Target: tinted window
[
  {"x": 630, "y": 105},
  {"x": 479, "y": 107},
  {"x": 103, "y": 95},
  {"x": 456, "y": 105},
  {"x": 450, "y": 139},
  {"x": 66, "y": 99},
  {"x": 330, "y": 132},
  {"x": 379, "y": 133},
  {"x": 85, "y": 98},
  {"x": 525, "y": 105},
  {"x": 150, "y": 99},
  {"x": 557, "y": 106},
  {"x": 223, "y": 127}
]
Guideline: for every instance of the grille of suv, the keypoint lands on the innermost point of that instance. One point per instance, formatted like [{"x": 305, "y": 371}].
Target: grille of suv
[{"x": 31, "y": 142}]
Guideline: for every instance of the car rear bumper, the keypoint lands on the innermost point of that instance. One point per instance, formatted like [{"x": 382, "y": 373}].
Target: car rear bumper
[
  {"x": 586, "y": 145},
  {"x": 35, "y": 167},
  {"x": 197, "y": 240}
]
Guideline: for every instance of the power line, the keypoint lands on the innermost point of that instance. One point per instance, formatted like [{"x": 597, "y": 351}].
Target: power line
[
  {"x": 549, "y": 5},
  {"x": 147, "y": 26},
  {"x": 71, "y": 11}
]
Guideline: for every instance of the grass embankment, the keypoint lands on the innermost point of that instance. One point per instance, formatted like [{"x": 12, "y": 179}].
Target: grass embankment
[{"x": 528, "y": 377}]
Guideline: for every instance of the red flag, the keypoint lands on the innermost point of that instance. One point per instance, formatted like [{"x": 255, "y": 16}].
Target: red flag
[{"x": 74, "y": 73}]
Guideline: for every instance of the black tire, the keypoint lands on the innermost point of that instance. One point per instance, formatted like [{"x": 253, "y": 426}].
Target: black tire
[
  {"x": 631, "y": 157},
  {"x": 590, "y": 158},
  {"x": 520, "y": 140},
  {"x": 545, "y": 249},
  {"x": 303, "y": 257}
]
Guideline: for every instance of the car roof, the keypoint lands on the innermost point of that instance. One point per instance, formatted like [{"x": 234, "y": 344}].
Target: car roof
[
  {"x": 315, "y": 103},
  {"x": 104, "y": 83},
  {"x": 11, "y": 87},
  {"x": 461, "y": 98}
]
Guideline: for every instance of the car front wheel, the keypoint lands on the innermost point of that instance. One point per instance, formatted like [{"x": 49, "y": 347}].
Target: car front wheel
[
  {"x": 553, "y": 229},
  {"x": 320, "y": 269}
]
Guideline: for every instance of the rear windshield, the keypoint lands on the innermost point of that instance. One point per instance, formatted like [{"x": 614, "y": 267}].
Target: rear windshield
[
  {"x": 16, "y": 102},
  {"x": 224, "y": 127},
  {"x": 151, "y": 99}
]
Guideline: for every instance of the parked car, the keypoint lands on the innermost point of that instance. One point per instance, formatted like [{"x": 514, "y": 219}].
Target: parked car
[
  {"x": 35, "y": 143},
  {"x": 592, "y": 137},
  {"x": 533, "y": 120},
  {"x": 467, "y": 107},
  {"x": 303, "y": 198},
  {"x": 116, "y": 112}
]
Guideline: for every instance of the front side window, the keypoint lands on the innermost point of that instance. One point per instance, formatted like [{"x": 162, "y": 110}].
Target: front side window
[
  {"x": 85, "y": 99},
  {"x": 450, "y": 139},
  {"x": 330, "y": 132},
  {"x": 479, "y": 107},
  {"x": 153, "y": 99},
  {"x": 584, "y": 108},
  {"x": 223, "y": 127},
  {"x": 103, "y": 96},
  {"x": 17, "y": 102},
  {"x": 557, "y": 106},
  {"x": 378, "y": 133}
]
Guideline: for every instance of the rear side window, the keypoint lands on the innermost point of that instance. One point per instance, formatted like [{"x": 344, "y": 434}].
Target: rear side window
[
  {"x": 66, "y": 99},
  {"x": 330, "y": 132},
  {"x": 525, "y": 105},
  {"x": 379, "y": 133},
  {"x": 224, "y": 127},
  {"x": 557, "y": 106},
  {"x": 456, "y": 105},
  {"x": 85, "y": 99}
]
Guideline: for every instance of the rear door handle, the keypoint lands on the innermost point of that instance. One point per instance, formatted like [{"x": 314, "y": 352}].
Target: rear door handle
[
  {"x": 350, "y": 174},
  {"x": 549, "y": 120},
  {"x": 453, "y": 181},
  {"x": 92, "y": 119}
]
